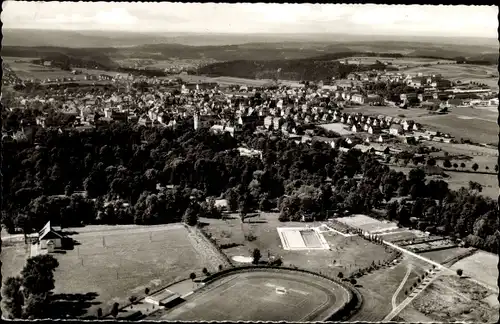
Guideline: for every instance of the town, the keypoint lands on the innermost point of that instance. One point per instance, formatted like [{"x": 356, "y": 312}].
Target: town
[{"x": 152, "y": 186}]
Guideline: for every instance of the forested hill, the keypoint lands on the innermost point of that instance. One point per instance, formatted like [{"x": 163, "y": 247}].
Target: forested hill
[{"x": 320, "y": 68}]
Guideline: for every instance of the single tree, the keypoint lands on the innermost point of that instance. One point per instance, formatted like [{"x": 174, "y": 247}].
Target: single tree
[
  {"x": 256, "y": 256},
  {"x": 146, "y": 291},
  {"x": 455, "y": 165},
  {"x": 340, "y": 275},
  {"x": 38, "y": 274},
  {"x": 447, "y": 164},
  {"x": 353, "y": 281},
  {"x": 205, "y": 271},
  {"x": 462, "y": 165},
  {"x": 459, "y": 272},
  {"x": 475, "y": 167},
  {"x": 115, "y": 310},
  {"x": 192, "y": 276},
  {"x": 132, "y": 299},
  {"x": 99, "y": 312},
  {"x": 496, "y": 167},
  {"x": 220, "y": 267}
]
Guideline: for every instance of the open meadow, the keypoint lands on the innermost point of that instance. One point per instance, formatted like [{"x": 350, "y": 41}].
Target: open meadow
[
  {"x": 337, "y": 128},
  {"x": 115, "y": 264},
  {"x": 346, "y": 254},
  {"x": 477, "y": 130},
  {"x": 380, "y": 287},
  {"x": 481, "y": 266},
  {"x": 397, "y": 61},
  {"x": 462, "y": 72},
  {"x": 13, "y": 257},
  {"x": 387, "y": 111}
]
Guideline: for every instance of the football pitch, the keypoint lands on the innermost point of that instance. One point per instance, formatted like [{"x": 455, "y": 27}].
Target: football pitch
[{"x": 264, "y": 295}]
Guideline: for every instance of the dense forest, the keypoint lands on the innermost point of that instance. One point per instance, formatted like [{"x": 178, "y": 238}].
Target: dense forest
[
  {"x": 142, "y": 175},
  {"x": 304, "y": 69}
]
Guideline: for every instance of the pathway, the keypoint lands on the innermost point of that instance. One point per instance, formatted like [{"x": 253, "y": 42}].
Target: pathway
[
  {"x": 427, "y": 281},
  {"x": 206, "y": 250},
  {"x": 396, "y": 293}
]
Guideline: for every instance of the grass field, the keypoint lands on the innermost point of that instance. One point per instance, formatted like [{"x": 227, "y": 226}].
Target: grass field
[
  {"x": 445, "y": 255},
  {"x": 387, "y": 111},
  {"x": 346, "y": 255},
  {"x": 477, "y": 130},
  {"x": 13, "y": 257},
  {"x": 450, "y": 298},
  {"x": 481, "y": 266},
  {"x": 411, "y": 62},
  {"x": 252, "y": 296},
  {"x": 337, "y": 128},
  {"x": 377, "y": 289},
  {"x": 462, "y": 72},
  {"x": 135, "y": 257}
]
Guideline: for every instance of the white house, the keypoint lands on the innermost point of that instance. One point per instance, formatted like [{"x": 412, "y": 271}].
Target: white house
[
  {"x": 49, "y": 238},
  {"x": 382, "y": 138},
  {"x": 356, "y": 128}
]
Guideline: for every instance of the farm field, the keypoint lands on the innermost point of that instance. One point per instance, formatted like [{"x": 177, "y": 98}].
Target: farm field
[
  {"x": 411, "y": 62},
  {"x": 450, "y": 298},
  {"x": 462, "y": 72},
  {"x": 223, "y": 80},
  {"x": 481, "y": 266},
  {"x": 346, "y": 255},
  {"x": 337, "y": 128},
  {"x": 138, "y": 258},
  {"x": 253, "y": 296},
  {"x": 477, "y": 130},
  {"x": 387, "y": 111},
  {"x": 26, "y": 70}
]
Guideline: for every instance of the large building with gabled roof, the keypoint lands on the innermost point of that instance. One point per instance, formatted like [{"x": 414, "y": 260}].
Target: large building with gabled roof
[{"x": 49, "y": 238}]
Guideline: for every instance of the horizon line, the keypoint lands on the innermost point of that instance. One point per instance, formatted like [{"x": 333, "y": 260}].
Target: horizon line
[{"x": 243, "y": 33}]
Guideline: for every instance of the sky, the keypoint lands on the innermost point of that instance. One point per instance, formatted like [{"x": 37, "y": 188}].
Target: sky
[{"x": 404, "y": 20}]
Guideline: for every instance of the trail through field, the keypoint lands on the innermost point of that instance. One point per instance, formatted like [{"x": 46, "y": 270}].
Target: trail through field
[
  {"x": 396, "y": 293},
  {"x": 433, "y": 275},
  {"x": 206, "y": 250}
]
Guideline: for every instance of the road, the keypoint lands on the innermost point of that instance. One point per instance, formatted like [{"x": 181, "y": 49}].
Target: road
[{"x": 438, "y": 265}]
